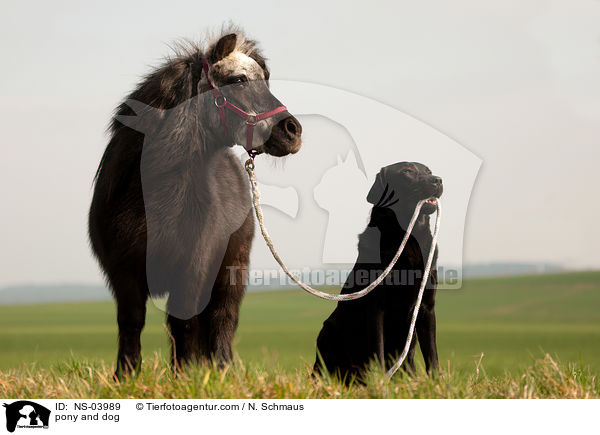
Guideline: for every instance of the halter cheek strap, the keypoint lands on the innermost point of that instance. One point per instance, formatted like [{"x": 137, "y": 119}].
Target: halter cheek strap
[{"x": 251, "y": 120}]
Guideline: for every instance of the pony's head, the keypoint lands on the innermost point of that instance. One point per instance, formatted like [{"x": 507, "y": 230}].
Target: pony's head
[{"x": 238, "y": 74}]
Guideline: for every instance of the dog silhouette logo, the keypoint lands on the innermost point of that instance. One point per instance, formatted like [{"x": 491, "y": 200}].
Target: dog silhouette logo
[
  {"x": 25, "y": 414},
  {"x": 346, "y": 140},
  {"x": 342, "y": 208}
]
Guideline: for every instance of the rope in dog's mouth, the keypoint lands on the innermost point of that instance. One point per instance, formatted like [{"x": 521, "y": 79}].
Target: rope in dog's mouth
[{"x": 352, "y": 296}]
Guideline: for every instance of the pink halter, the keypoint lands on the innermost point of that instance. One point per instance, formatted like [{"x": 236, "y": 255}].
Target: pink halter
[{"x": 251, "y": 120}]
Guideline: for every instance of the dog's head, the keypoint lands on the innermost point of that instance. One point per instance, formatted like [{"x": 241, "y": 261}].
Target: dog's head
[{"x": 402, "y": 185}]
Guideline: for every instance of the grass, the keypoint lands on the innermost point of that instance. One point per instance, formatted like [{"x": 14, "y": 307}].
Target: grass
[
  {"x": 76, "y": 379},
  {"x": 521, "y": 326}
]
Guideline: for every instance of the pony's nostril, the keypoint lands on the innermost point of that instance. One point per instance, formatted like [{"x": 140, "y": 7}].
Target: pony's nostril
[{"x": 291, "y": 127}]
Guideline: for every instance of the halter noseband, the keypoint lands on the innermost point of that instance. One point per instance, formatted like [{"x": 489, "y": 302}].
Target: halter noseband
[{"x": 251, "y": 120}]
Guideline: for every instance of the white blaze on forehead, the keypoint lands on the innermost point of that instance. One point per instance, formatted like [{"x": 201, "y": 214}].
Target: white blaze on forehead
[{"x": 239, "y": 63}]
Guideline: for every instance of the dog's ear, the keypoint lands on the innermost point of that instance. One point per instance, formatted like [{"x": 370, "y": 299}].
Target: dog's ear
[{"x": 378, "y": 188}]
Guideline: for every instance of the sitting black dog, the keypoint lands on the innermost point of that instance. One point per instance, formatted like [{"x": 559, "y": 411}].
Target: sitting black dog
[{"x": 376, "y": 325}]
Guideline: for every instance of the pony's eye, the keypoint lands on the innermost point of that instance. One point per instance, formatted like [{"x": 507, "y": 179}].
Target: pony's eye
[{"x": 239, "y": 82}]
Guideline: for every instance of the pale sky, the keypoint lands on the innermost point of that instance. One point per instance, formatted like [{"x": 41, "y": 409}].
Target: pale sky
[{"x": 515, "y": 82}]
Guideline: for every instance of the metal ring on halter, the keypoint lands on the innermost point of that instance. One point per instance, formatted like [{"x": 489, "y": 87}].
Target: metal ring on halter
[
  {"x": 250, "y": 164},
  {"x": 217, "y": 101},
  {"x": 251, "y": 120}
]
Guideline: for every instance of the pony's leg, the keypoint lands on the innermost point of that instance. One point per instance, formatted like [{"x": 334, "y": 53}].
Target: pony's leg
[
  {"x": 222, "y": 313},
  {"x": 203, "y": 336},
  {"x": 184, "y": 341},
  {"x": 131, "y": 296}
]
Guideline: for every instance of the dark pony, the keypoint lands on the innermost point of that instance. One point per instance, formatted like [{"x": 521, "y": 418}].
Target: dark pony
[{"x": 171, "y": 213}]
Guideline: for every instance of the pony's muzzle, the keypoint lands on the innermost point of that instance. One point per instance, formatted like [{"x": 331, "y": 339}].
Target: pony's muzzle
[{"x": 285, "y": 137}]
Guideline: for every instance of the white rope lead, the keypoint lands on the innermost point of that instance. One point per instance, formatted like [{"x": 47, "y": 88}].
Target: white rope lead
[
  {"x": 426, "y": 272},
  {"x": 351, "y": 296}
]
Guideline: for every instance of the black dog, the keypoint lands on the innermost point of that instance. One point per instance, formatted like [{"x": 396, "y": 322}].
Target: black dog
[{"x": 376, "y": 325}]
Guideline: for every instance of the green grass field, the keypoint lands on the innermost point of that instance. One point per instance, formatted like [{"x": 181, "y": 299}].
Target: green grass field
[{"x": 511, "y": 321}]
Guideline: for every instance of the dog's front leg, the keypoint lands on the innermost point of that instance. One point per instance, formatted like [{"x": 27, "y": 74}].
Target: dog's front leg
[
  {"x": 426, "y": 331},
  {"x": 379, "y": 339}
]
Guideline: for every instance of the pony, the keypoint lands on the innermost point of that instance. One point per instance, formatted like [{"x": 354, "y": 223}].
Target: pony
[{"x": 171, "y": 212}]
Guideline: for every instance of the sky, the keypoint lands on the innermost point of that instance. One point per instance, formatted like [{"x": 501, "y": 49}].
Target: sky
[{"x": 516, "y": 83}]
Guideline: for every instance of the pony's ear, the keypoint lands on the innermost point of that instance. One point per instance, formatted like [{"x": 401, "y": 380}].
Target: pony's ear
[
  {"x": 378, "y": 189},
  {"x": 223, "y": 47}
]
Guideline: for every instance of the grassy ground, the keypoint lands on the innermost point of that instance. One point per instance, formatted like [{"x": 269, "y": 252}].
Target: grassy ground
[
  {"x": 513, "y": 322},
  {"x": 77, "y": 379}
]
